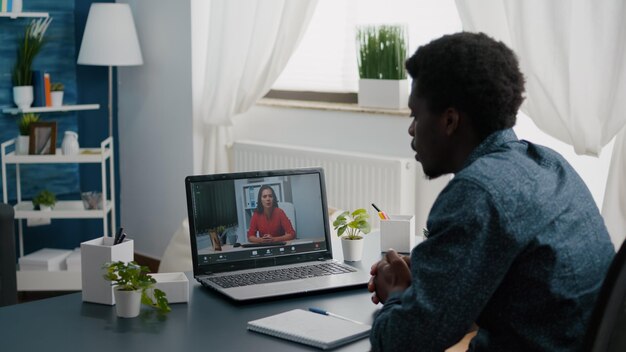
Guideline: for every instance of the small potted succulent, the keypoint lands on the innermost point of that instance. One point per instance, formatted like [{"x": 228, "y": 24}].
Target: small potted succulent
[
  {"x": 56, "y": 93},
  {"x": 349, "y": 227},
  {"x": 134, "y": 286},
  {"x": 44, "y": 200},
  {"x": 23, "y": 139}
]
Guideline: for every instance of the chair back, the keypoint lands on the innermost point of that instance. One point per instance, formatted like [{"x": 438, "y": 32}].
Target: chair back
[
  {"x": 290, "y": 211},
  {"x": 8, "y": 277},
  {"x": 607, "y": 326}
]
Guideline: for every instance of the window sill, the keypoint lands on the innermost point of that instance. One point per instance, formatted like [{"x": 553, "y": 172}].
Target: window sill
[{"x": 321, "y": 105}]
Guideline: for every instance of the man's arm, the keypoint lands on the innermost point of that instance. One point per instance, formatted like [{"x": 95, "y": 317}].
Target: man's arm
[{"x": 453, "y": 274}]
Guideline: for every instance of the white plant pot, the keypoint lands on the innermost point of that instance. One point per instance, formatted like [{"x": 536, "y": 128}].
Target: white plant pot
[
  {"x": 384, "y": 93},
  {"x": 21, "y": 145},
  {"x": 23, "y": 96},
  {"x": 352, "y": 249},
  {"x": 127, "y": 303},
  {"x": 57, "y": 98},
  {"x": 45, "y": 207}
]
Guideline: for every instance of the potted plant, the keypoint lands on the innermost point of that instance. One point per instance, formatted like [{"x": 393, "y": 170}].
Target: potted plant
[
  {"x": 44, "y": 200},
  {"x": 349, "y": 226},
  {"x": 23, "y": 139},
  {"x": 28, "y": 48},
  {"x": 56, "y": 93},
  {"x": 381, "y": 54},
  {"x": 132, "y": 285}
]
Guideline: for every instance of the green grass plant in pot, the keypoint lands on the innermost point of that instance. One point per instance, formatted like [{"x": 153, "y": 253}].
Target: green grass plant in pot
[
  {"x": 28, "y": 48},
  {"x": 44, "y": 200},
  {"x": 133, "y": 286},
  {"x": 382, "y": 51},
  {"x": 23, "y": 139},
  {"x": 349, "y": 227}
]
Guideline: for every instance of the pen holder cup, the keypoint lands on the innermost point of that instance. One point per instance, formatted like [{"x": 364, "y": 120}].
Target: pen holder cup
[
  {"x": 94, "y": 254},
  {"x": 398, "y": 232}
]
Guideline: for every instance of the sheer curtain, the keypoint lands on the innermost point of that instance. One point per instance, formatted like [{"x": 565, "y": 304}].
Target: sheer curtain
[
  {"x": 572, "y": 53},
  {"x": 249, "y": 44}
]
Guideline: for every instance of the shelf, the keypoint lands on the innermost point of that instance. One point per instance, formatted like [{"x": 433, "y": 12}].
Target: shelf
[
  {"x": 64, "y": 209},
  {"x": 44, "y": 109},
  {"x": 28, "y": 280},
  {"x": 14, "y": 15},
  {"x": 86, "y": 155}
]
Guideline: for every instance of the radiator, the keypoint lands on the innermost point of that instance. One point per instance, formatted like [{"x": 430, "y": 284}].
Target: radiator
[{"x": 353, "y": 180}]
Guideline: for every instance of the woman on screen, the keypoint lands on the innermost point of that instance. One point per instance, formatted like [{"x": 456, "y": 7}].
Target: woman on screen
[{"x": 269, "y": 220}]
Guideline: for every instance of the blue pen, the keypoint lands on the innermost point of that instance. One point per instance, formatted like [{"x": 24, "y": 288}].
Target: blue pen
[{"x": 323, "y": 312}]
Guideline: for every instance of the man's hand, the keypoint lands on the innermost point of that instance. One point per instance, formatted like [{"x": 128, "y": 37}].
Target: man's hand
[{"x": 390, "y": 274}]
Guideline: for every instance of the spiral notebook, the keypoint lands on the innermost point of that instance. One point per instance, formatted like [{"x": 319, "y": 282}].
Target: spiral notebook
[{"x": 321, "y": 331}]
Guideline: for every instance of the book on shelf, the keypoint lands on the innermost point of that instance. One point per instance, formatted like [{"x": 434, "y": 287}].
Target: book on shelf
[
  {"x": 39, "y": 90},
  {"x": 4, "y": 6},
  {"x": 313, "y": 329},
  {"x": 46, "y": 82}
]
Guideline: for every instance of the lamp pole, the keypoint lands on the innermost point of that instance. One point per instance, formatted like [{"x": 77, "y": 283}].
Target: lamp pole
[{"x": 110, "y": 101}]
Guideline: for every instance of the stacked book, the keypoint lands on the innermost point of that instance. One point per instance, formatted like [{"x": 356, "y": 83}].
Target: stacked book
[{"x": 46, "y": 259}]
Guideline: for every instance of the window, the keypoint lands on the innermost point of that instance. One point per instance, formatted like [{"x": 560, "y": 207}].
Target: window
[{"x": 326, "y": 57}]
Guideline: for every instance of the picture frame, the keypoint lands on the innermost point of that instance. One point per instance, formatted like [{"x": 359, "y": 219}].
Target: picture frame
[
  {"x": 43, "y": 138},
  {"x": 215, "y": 240}
]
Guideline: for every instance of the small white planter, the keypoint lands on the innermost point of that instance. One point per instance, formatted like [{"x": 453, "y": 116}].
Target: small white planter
[
  {"x": 352, "y": 249},
  {"x": 45, "y": 207},
  {"x": 127, "y": 303},
  {"x": 23, "y": 96},
  {"x": 57, "y": 98},
  {"x": 384, "y": 93},
  {"x": 21, "y": 145}
]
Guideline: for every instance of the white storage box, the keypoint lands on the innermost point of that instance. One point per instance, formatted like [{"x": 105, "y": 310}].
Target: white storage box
[
  {"x": 73, "y": 260},
  {"x": 46, "y": 259},
  {"x": 175, "y": 286},
  {"x": 94, "y": 254}
]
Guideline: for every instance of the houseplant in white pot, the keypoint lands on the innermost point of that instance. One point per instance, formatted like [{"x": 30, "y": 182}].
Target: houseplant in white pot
[
  {"x": 44, "y": 200},
  {"x": 28, "y": 48},
  {"x": 56, "y": 93},
  {"x": 132, "y": 288},
  {"x": 381, "y": 54},
  {"x": 349, "y": 226},
  {"x": 23, "y": 139}
]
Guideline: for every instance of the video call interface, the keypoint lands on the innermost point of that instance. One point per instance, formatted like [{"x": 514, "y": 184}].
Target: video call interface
[{"x": 258, "y": 217}]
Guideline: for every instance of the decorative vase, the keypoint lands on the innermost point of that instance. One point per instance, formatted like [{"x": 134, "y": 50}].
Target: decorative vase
[
  {"x": 384, "y": 93},
  {"x": 352, "y": 249},
  {"x": 45, "y": 207},
  {"x": 57, "y": 98},
  {"x": 23, "y": 96},
  {"x": 22, "y": 144},
  {"x": 127, "y": 303},
  {"x": 70, "y": 146}
]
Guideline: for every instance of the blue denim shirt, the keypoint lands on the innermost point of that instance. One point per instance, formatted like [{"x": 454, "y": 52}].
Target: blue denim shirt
[{"x": 516, "y": 244}]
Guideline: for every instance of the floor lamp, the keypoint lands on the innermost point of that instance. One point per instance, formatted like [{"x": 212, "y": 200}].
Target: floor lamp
[{"x": 110, "y": 39}]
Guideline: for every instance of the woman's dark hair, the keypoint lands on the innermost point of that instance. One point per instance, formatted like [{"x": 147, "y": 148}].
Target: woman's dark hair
[
  {"x": 259, "y": 205},
  {"x": 472, "y": 73}
]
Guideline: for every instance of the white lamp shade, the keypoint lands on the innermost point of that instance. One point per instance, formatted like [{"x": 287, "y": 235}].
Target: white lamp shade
[{"x": 110, "y": 38}]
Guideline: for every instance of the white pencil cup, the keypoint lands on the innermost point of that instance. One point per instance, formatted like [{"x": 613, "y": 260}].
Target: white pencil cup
[
  {"x": 398, "y": 232},
  {"x": 94, "y": 254}
]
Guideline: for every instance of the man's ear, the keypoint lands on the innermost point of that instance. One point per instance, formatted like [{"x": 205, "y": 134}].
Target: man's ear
[{"x": 451, "y": 120}]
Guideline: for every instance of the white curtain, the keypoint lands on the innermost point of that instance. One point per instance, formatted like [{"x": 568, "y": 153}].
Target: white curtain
[
  {"x": 249, "y": 44},
  {"x": 573, "y": 55}
]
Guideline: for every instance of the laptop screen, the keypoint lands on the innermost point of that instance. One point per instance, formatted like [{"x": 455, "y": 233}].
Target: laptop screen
[{"x": 252, "y": 219}]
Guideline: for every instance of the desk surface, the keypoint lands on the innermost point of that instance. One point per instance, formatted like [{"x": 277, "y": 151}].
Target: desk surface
[{"x": 209, "y": 321}]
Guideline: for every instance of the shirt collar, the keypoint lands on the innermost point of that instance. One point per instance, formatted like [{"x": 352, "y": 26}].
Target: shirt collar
[{"x": 490, "y": 144}]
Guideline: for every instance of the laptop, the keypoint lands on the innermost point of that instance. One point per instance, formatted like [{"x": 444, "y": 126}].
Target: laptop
[{"x": 233, "y": 255}]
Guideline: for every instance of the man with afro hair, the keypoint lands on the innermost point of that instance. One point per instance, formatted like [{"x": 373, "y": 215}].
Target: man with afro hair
[{"x": 516, "y": 245}]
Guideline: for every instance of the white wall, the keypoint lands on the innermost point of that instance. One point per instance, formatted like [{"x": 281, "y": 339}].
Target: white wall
[{"x": 155, "y": 125}]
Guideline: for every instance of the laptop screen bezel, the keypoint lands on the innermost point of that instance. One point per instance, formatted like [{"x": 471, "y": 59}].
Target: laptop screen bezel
[{"x": 261, "y": 262}]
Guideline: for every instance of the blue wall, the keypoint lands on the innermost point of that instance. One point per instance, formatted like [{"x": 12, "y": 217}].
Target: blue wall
[{"x": 83, "y": 85}]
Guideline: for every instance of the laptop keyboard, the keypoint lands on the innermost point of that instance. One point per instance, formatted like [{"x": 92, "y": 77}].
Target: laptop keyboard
[{"x": 285, "y": 274}]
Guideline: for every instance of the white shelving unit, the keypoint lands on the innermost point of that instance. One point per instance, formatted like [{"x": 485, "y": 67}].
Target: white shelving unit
[
  {"x": 44, "y": 109},
  {"x": 73, "y": 209},
  {"x": 14, "y": 15}
]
